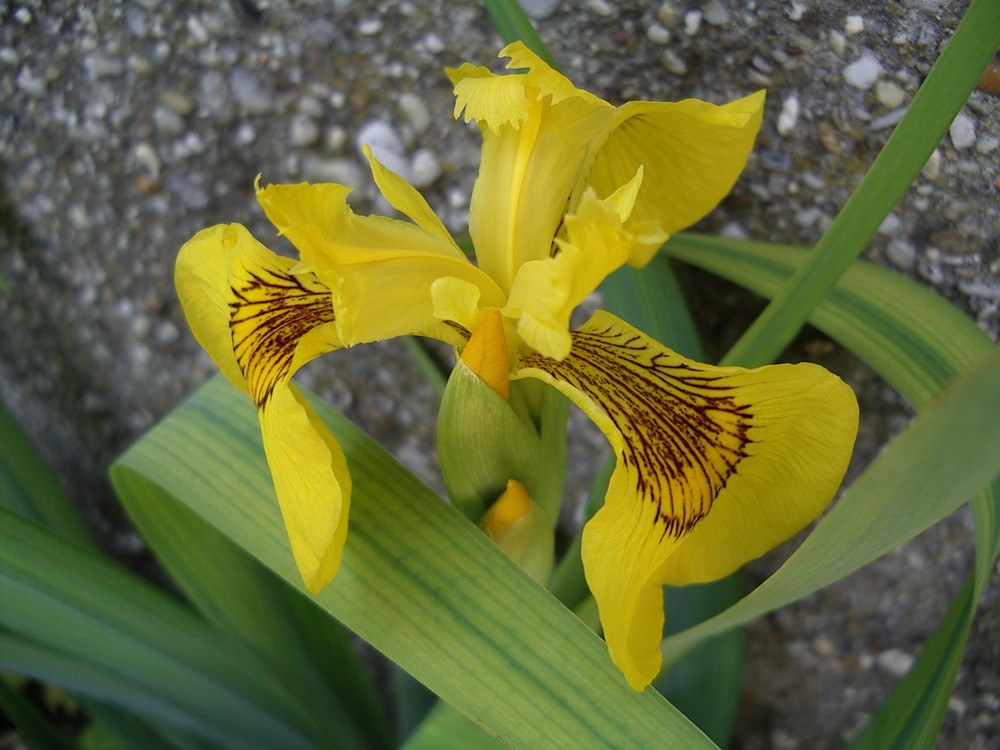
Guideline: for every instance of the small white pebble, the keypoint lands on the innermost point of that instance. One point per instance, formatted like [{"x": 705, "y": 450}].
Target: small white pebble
[
  {"x": 987, "y": 144},
  {"x": 890, "y": 225},
  {"x": 889, "y": 94},
  {"x": 303, "y": 131},
  {"x": 667, "y": 13},
  {"x": 789, "y": 116},
  {"x": 433, "y": 43},
  {"x": 932, "y": 169},
  {"x": 962, "y": 131},
  {"x": 854, "y": 25},
  {"x": 658, "y": 34},
  {"x": 415, "y": 111},
  {"x": 796, "y": 10},
  {"x": 673, "y": 62},
  {"x": 692, "y": 22},
  {"x": 957, "y": 705},
  {"x": 600, "y": 8},
  {"x": 734, "y": 231},
  {"x": 539, "y": 9},
  {"x": 895, "y": 661},
  {"x": 426, "y": 168},
  {"x": 838, "y": 42},
  {"x": 716, "y": 13},
  {"x": 808, "y": 216},
  {"x": 863, "y": 72},
  {"x": 244, "y": 134},
  {"x": 901, "y": 252},
  {"x": 370, "y": 26}
]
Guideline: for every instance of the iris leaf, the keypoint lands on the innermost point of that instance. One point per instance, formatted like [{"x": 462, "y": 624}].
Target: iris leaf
[
  {"x": 418, "y": 582},
  {"x": 307, "y": 647},
  {"x": 29, "y": 487},
  {"x": 72, "y": 618},
  {"x": 933, "y": 108}
]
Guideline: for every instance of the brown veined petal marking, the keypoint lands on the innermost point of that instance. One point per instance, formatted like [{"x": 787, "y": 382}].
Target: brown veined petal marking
[
  {"x": 271, "y": 312},
  {"x": 678, "y": 427}
]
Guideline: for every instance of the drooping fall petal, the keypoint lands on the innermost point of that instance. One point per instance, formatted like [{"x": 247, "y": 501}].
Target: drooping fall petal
[
  {"x": 714, "y": 467},
  {"x": 692, "y": 152},
  {"x": 260, "y": 322},
  {"x": 379, "y": 270}
]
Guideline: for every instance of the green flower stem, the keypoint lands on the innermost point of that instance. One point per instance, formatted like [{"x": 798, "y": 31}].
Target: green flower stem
[{"x": 934, "y": 107}]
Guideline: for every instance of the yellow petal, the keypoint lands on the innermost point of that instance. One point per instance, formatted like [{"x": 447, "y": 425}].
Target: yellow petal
[
  {"x": 201, "y": 276},
  {"x": 380, "y": 270},
  {"x": 692, "y": 152},
  {"x": 715, "y": 466},
  {"x": 406, "y": 199},
  {"x": 545, "y": 292},
  {"x": 311, "y": 480},
  {"x": 540, "y": 135},
  {"x": 486, "y": 353},
  {"x": 262, "y": 322}
]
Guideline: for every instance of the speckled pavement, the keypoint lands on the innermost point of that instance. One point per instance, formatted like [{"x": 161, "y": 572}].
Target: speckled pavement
[{"x": 127, "y": 126}]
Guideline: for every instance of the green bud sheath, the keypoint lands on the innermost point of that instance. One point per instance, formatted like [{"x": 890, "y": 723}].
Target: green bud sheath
[{"x": 484, "y": 441}]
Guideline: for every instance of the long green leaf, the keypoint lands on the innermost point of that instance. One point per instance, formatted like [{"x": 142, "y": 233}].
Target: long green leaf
[
  {"x": 76, "y": 620},
  {"x": 446, "y": 729},
  {"x": 933, "y": 108},
  {"x": 29, "y": 486},
  {"x": 419, "y": 583},
  {"x": 241, "y": 596},
  {"x": 909, "y": 335}
]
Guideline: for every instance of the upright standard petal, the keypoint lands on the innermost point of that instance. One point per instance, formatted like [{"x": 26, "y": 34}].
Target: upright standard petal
[
  {"x": 715, "y": 466},
  {"x": 260, "y": 322},
  {"x": 540, "y": 135},
  {"x": 380, "y": 270},
  {"x": 692, "y": 152}
]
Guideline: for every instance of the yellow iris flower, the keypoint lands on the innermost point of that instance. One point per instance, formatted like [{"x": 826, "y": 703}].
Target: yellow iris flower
[{"x": 714, "y": 465}]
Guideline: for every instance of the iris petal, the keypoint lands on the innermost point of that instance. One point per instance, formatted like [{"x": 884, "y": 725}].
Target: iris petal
[
  {"x": 540, "y": 135},
  {"x": 380, "y": 270},
  {"x": 715, "y": 466},
  {"x": 261, "y": 322},
  {"x": 545, "y": 292},
  {"x": 692, "y": 152}
]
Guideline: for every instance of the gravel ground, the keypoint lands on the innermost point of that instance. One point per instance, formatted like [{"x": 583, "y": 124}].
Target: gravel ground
[{"x": 127, "y": 126}]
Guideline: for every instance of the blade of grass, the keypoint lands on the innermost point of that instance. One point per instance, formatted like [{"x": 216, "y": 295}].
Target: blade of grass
[
  {"x": 446, "y": 729},
  {"x": 933, "y": 108}
]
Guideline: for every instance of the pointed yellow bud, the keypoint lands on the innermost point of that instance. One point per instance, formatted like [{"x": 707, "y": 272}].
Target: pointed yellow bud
[
  {"x": 521, "y": 528},
  {"x": 511, "y": 506},
  {"x": 486, "y": 353}
]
